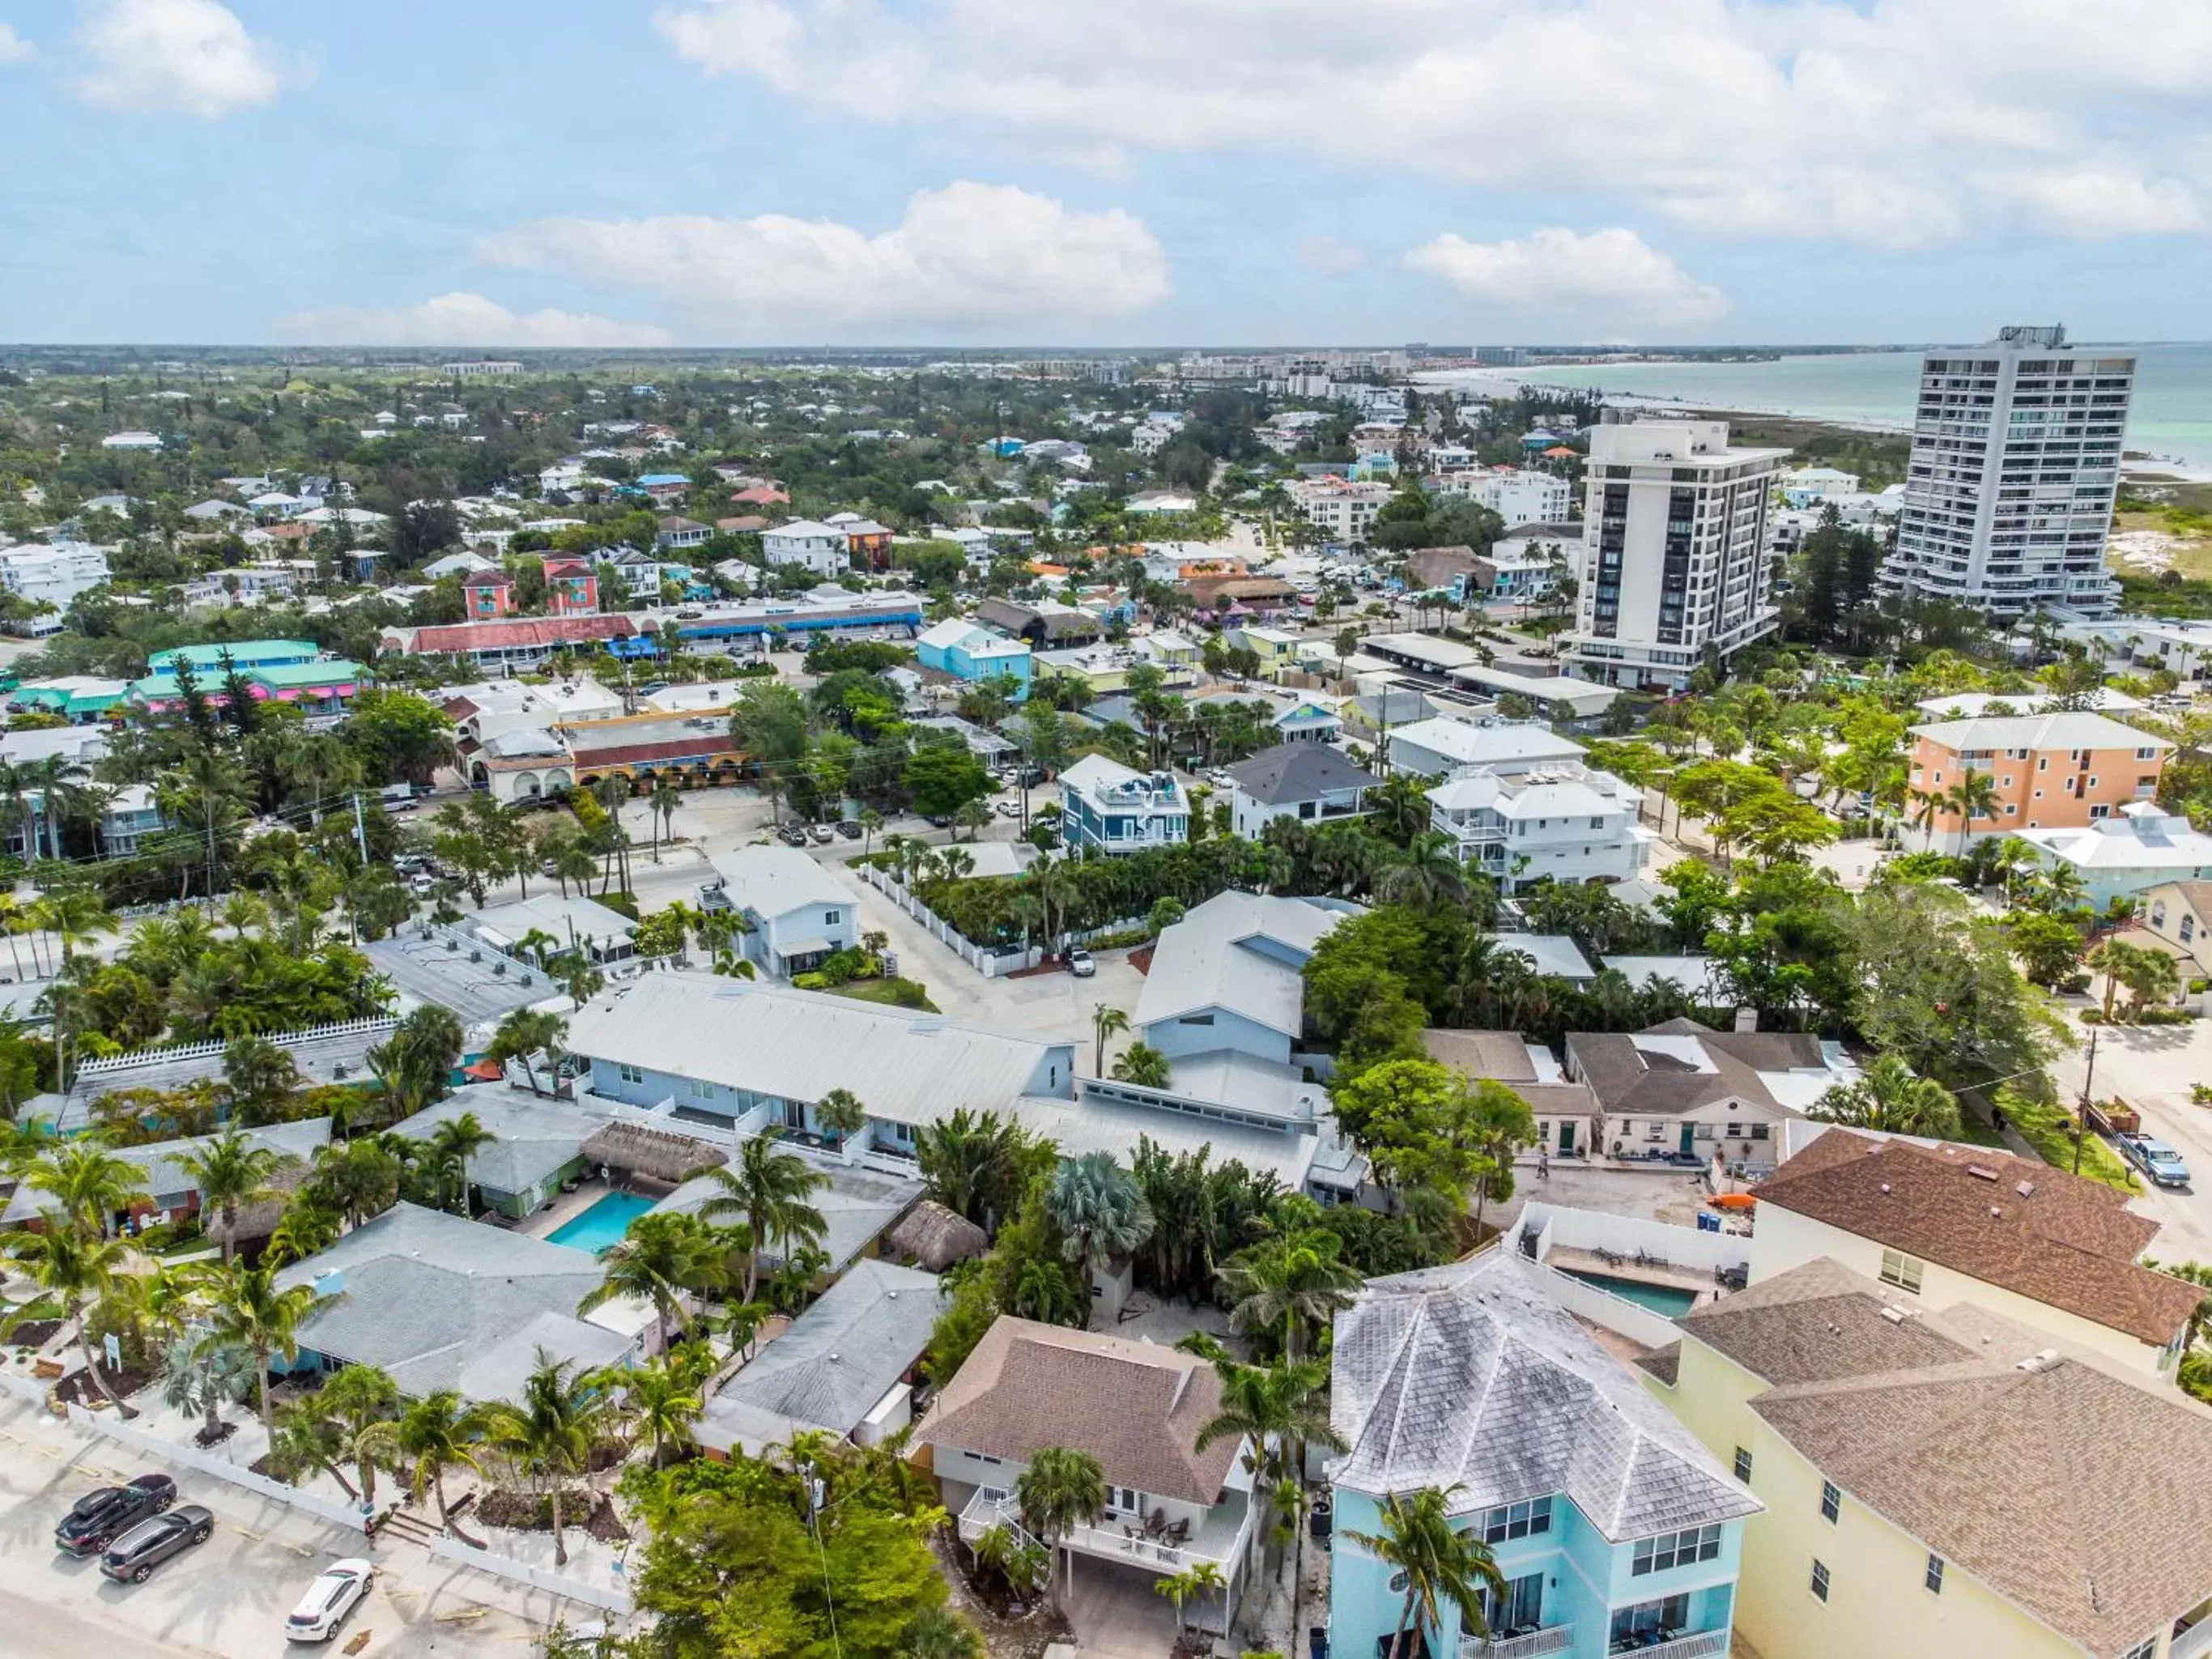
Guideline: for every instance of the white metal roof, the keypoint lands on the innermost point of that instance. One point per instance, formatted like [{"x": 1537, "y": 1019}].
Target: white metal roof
[
  {"x": 798, "y": 1045},
  {"x": 1209, "y": 960},
  {"x": 1492, "y": 745},
  {"x": 774, "y": 881},
  {"x": 2081, "y": 730}
]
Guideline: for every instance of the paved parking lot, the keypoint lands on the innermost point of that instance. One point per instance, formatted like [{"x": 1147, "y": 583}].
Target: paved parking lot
[{"x": 226, "y": 1599}]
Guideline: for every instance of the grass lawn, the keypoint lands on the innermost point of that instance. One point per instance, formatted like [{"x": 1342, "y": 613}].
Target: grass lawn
[
  {"x": 887, "y": 992},
  {"x": 2050, "y": 1130}
]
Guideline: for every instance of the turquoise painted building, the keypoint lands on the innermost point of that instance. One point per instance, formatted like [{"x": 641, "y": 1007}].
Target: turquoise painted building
[
  {"x": 975, "y": 654},
  {"x": 1615, "y": 1529}
]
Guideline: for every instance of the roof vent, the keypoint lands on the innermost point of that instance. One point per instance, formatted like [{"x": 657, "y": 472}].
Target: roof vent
[
  {"x": 1996, "y": 1214},
  {"x": 1895, "y": 1315},
  {"x": 2042, "y": 1359},
  {"x": 1885, "y": 1187},
  {"x": 833, "y": 1358},
  {"x": 2026, "y": 1188},
  {"x": 1980, "y": 1173}
]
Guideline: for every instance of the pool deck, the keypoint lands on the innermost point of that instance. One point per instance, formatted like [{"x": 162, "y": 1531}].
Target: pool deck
[
  {"x": 1662, "y": 1275},
  {"x": 546, "y": 1222}
]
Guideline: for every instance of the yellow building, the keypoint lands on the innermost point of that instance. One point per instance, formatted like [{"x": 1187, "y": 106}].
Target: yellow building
[
  {"x": 1944, "y": 1485},
  {"x": 1946, "y": 1224}
]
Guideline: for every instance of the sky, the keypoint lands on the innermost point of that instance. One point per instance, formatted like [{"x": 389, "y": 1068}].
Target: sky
[{"x": 1096, "y": 173}]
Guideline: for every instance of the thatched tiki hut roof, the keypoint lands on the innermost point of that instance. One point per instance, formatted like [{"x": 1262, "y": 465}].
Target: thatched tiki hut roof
[
  {"x": 654, "y": 1153},
  {"x": 936, "y": 1236}
]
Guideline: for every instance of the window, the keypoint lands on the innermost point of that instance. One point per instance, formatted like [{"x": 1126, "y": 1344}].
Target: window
[
  {"x": 1648, "y": 1619},
  {"x": 1196, "y": 1019},
  {"x": 2143, "y": 1649},
  {"x": 2092, "y": 783},
  {"x": 1508, "y": 1520},
  {"x": 1831, "y": 1502},
  {"x": 1522, "y": 1604},
  {"x": 1934, "y": 1576},
  {"x": 2099, "y": 812},
  {"x": 630, "y": 1073},
  {"x": 831, "y": 918},
  {"x": 1743, "y": 1464},
  {"x": 1125, "y": 1500},
  {"x": 1820, "y": 1580},
  {"x": 1902, "y": 1270},
  {"x": 2043, "y": 762},
  {"x": 1670, "y": 1549},
  {"x": 2188, "y": 928},
  {"x": 2158, "y": 914},
  {"x": 2146, "y": 754}
]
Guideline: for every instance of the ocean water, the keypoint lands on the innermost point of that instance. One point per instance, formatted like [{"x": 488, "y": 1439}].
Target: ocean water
[{"x": 2171, "y": 418}]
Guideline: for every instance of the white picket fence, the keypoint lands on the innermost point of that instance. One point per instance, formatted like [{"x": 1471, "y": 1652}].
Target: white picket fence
[
  {"x": 992, "y": 964},
  {"x": 212, "y": 1047}
]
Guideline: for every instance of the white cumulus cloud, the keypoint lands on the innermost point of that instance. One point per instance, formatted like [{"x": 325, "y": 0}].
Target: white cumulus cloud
[
  {"x": 13, "y": 48},
  {"x": 968, "y": 257},
  {"x": 463, "y": 320},
  {"x": 1606, "y": 275},
  {"x": 175, "y": 58},
  {"x": 1898, "y": 123}
]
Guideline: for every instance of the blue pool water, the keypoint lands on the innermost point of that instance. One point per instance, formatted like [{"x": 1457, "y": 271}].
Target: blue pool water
[
  {"x": 1662, "y": 1299},
  {"x": 603, "y": 1224}
]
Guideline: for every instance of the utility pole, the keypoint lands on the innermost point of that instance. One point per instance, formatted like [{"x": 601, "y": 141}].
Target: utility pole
[{"x": 2081, "y": 1127}]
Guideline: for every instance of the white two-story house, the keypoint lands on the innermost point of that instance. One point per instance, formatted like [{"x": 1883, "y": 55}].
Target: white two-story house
[
  {"x": 1106, "y": 806},
  {"x": 1524, "y": 823},
  {"x": 1138, "y": 1408},
  {"x": 798, "y": 911},
  {"x": 821, "y": 548},
  {"x": 1310, "y": 783}
]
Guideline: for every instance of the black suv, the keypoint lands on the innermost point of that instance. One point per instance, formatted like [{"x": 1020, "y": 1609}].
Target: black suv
[
  {"x": 134, "y": 1556},
  {"x": 102, "y": 1516}
]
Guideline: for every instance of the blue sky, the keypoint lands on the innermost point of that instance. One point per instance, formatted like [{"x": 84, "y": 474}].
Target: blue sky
[{"x": 1100, "y": 171}]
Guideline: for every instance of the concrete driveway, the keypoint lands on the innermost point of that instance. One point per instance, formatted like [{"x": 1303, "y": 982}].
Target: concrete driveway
[
  {"x": 1116, "y": 1612},
  {"x": 226, "y": 1599}
]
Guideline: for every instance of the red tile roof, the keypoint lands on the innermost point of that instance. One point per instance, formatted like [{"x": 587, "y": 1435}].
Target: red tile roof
[{"x": 520, "y": 630}]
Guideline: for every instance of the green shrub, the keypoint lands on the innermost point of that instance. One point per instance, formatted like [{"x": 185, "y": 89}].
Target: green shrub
[{"x": 809, "y": 982}]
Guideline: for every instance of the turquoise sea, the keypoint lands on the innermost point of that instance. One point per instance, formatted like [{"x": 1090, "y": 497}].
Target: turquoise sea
[{"x": 2171, "y": 419}]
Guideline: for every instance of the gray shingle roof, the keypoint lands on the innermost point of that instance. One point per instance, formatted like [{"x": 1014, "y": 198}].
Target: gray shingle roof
[
  {"x": 1470, "y": 1376},
  {"x": 857, "y": 1207},
  {"x": 423, "y": 1294},
  {"x": 536, "y": 1139},
  {"x": 1298, "y": 772},
  {"x": 837, "y": 1359}
]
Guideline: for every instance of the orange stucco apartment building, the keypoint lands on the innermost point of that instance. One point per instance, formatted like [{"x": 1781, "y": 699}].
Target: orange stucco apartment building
[{"x": 2055, "y": 771}]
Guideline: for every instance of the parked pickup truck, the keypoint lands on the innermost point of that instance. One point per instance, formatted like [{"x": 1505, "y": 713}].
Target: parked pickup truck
[{"x": 2156, "y": 1159}]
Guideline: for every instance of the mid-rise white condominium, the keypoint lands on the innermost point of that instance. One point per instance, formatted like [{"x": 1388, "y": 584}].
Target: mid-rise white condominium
[{"x": 2016, "y": 461}]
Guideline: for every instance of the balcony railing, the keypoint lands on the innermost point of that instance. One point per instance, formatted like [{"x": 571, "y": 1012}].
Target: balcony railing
[
  {"x": 1556, "y": 1639},
  {"x": 987, "y": 1509},
  {"x": 1704, "y": 1645},
  {"x": 2193, "y": 1643}
]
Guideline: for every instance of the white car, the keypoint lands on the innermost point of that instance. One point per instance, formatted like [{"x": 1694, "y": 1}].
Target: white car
[{"x": 328, "y": 1599}]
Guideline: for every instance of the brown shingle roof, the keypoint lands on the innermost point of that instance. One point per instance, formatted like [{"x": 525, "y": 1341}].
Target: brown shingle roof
[
  {"x": 1818, "y": 1323},
  {"x": 2075, "y": 1493},
  {"x": 1633, "y": 1081},
  {"x": 2019, "y": 1224},
  {"x": 1135, "y": 1407},
  {"x": 1500, "y": 1055}
]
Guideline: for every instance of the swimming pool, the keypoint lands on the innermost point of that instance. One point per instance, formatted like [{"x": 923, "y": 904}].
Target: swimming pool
[
  {"x": 601, "y": 1225},
  {"x": 1664, "y": 1299}
]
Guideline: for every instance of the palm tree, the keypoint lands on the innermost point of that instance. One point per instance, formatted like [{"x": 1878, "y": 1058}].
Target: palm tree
[
  {"x": 1145, "y": 1066},
  {"x": 663, "y": 802},
  {"x": 1281, "y": 1409},
  {"x": 76, "y": 1269},
  {"x": 451, "y": 1146},
  {"x": 258, "y": 1075},
  {"x": 247, "y": 1309},
  {"x": 1195, "y": 1579},
  {"x": 439, "y": 1432},
  {"x": 196, "y": 1378},
  {"x": 230, "y": 1172},
  {"x": 1927, "y": 805},
  {"x": 550, "y": 1435},
  {"x": 361, "y": 1403},
  {"x": 87, "y": 1183},
  {"x": 1106, "y": 1021},
  {"x": 768, "y": 1190},
  {"x": 358, "y": 1179},
  {"x": 1297, "y": 1279},
  {"x": 1100, "y": 1211},
  {"x": 1439, "y": 1562},
  {"x": 1974, "y": 796},
  {"x": 663, "y": 1400},
  {"x": 839, "y": 1114},
  {"x": 871, "y": 821},
  {"x": 1059, "y": 1491},
  {"x": 307, "y": 1226},
  {"x": 1431, "y": 874},
  {"x": 661, "y": 1258},
  {"x": 970, "y": 1161}
]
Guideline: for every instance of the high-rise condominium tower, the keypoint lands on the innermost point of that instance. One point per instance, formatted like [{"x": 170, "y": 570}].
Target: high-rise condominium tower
[
  {"x": 2016, "y": 462},
  {"x": 1673, "y": 551}
]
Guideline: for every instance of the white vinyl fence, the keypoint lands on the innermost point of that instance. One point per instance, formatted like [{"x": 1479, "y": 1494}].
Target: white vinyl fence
[{"x": 608, "y": 1598}]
